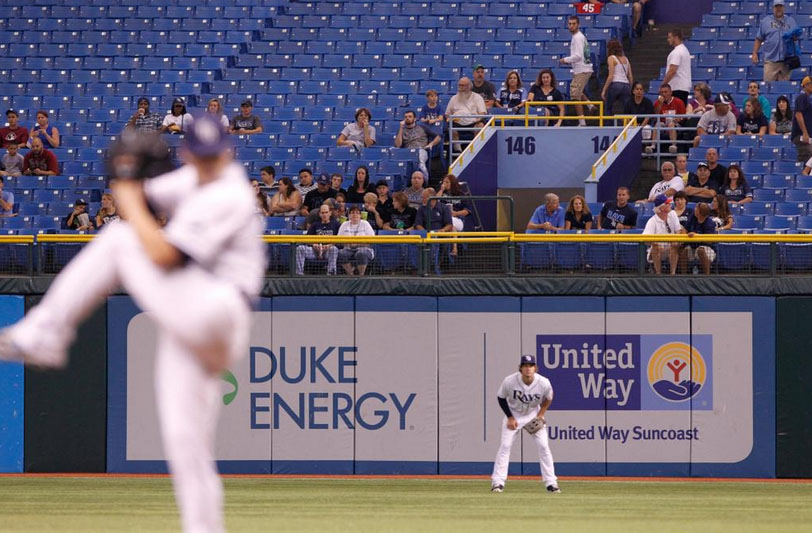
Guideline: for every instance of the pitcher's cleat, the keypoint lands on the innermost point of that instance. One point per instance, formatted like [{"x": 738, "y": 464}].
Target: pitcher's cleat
[
  {"x": 553, "y": 489},
  {"x": 497, "y": 488}
]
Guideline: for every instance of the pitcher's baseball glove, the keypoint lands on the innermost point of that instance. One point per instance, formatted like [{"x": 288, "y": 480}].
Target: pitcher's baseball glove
[
  {"x": 535, "y": 425},
  {"x": 138, "y": 155}
]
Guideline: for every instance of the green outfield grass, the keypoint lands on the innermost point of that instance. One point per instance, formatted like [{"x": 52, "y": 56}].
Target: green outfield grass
[{"x": 145, "y": 504}]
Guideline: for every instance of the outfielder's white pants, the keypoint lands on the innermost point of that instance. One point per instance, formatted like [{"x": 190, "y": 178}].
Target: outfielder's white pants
[
  {"x": 500, "y": 465},
  {"x": 197, "y": 314}
]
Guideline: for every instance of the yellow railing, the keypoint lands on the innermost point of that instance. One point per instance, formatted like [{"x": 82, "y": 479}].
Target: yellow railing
[
  {"x": 632, "y": 122},
  {"x": 16, "y": 239}
]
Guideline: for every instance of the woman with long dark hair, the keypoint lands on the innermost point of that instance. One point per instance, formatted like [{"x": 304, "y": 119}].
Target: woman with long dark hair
[
  {"x": 288, "y": 200},
  {"x": 781, "y": 122},
  {"x": 544, "y": 90},
  {"x": 619, "y": 79},
  {"x": 360, "y": 186}
]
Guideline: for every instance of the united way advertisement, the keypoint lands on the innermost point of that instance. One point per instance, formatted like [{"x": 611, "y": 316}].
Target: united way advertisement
[{"x": 376, "y": 384}]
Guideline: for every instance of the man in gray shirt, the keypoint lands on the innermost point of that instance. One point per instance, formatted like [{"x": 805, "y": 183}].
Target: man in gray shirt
[
  {"x": 412, "y": 134},
  {"x": 719, "y": 121}
]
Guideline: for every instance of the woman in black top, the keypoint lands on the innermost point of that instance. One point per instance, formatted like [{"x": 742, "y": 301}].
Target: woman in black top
[
  {"x": 752, "y": 121},
  {"x": 681, "y": 208},
  {"x": 360, "y": 186},
  {"x": 578, "y": 215},
  {"x": 543, "y": 90},
  {"x": 638, "y": 104}
]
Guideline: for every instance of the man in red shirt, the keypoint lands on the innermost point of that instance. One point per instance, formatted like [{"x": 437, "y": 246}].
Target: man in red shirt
[
  {"x": 13, "y": 133},
  {"x": 666, "y": 105},
  {"x": 39, "y": 161}
]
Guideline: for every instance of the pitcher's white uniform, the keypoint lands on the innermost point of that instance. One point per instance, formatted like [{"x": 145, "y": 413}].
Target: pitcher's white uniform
[
  {"x": 200, "y": 307},
  {"x": 524, "y": 402}
]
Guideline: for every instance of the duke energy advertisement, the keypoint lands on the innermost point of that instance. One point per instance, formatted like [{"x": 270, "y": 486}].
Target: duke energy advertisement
[{"x": 377, "y": 384}]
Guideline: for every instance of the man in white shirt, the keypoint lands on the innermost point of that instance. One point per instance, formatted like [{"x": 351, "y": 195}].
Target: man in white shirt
[
  {"x": 465, "y": 102},
  {"x": 581, "y": 63},
  {"x": 678, "y": 67},
  {"x": 523, "y": 396},
  {"x": 669, "y": 185},
  {"x": 664, "y": 222}
]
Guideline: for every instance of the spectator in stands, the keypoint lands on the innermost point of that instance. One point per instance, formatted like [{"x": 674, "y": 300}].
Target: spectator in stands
[
  {"x": 682, "y": 168},
  {"x": 13, "y": 161},
  {"x": 402, "y": 216},
  {"x": 450, "y": 186},
  {"x": 178, "y": 119},
  {"x": 433, "y": 215},
  {"x": 415, "y": 190},
  {"x": 107, "y": 213},
  {"x": 720, "y": 213},
  {"x": 314, "y": 216},
  {"x": 781, "y": 121},
  {"x": 547, "y": 217},
  {"x": 384, "y": 201},
  {"x": 718, "y": 172},
  {"x": 39, "y": 161},
  {"x": 664, "y": 222},
  {"x": 360, "y": 186},
  {"x": 49, "y": 134},
  {"x": 13, "y": 133},
  {"x": 336, "y": 182},
  {"x": 619, "y": 79},
  {"x": 667, "y": 104},
  {"x": 618, "y": 215},
  {"x": 681, "y": 208},
  {"x": 702, "y": 188},
  {"x": 700, "y": 223},
  {"x": 482, "y": 87},
  {"x": 754, "y": 91},
  {"x": 340, "y": 210},
  {"x": 670, "y": 184},
  {"x": 359, "y": 254},
  {"x": 6, "y": 202},
  {"x": 771, "y": 31},
  {"x": 735, "y": 187},
  {"x": 216, "y": 108},
  {"x": 325, "y": 225},
  {"x": 371, "y": 213},
  {"x": 268, "y": 177},
  {"x": 305, "y": 184},
  {"x": 287, "y": 201},
  {"x": 578, "y": 215},
  {"x": 143, "y": 119},
  {"x": 263, "y": 200},
  {"x": 544, "y": 90},
  {"x": 78, "y": 218},
  {"x": 246, "y": 123},
  {"x": 414, "y": 134},
  {"x": 512, "y": 95},
  {"x": 701, "y": 102},
  {"x": 464, "y": 103},
  {"x": 314, "y": 199},
  {"x": 752, "y": 121},
  {"x": 720, "y": 121},
  {"x": 581, "y": 63},
  {"x": 638, "y": 104},
  {"x": 802, "y": 123},
  {"x": 678, "y": 66},
  {"x": 637, "y": 12},
  {"x": 432, "y": 114},
  {"x": 359, "y": 134}
]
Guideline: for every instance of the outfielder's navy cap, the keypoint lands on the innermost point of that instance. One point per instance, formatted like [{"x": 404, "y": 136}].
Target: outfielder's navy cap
[
  {"x": 206, "y": 137},
  {"x": 527, "y": 360}
]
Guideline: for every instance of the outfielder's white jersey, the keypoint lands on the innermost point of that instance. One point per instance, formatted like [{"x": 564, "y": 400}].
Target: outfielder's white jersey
[
  {"x": 525, "y": 399},
  {"x": 213, "y": 224}
]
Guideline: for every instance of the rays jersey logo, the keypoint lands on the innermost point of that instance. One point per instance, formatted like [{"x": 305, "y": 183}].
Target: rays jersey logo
[
  {"x": 676, "y": 372},
  {"x": 526, "y": 398}
]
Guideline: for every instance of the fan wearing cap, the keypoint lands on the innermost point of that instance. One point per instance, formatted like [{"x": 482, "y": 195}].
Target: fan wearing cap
[
  {"x": 78, "y": 218},
  {"x": 717, "y": 121},
  {"x": 664, "y": 222},
  {"x": 317, "y": 196},
  {"x": 771, "y": 42},
  {"x": 143, "y": 119},
  {"x": 178, "y": 120},
  {"x": 802, "y": 125},
  {"x": 13, "y": 133},
  {"x": 246, "y": 122},
  {"x": 523, "y": 396},
  {"x": 483, "y": 87},
  {"x": 196, "y": 278},
  {"x": 701, "y": 187}
]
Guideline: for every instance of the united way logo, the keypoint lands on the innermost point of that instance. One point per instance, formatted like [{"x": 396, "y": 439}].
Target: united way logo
[{"x": 676, "y": 371}]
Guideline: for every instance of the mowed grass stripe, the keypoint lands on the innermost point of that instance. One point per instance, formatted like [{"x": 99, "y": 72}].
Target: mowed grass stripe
[{"x": 131, "y": 504}]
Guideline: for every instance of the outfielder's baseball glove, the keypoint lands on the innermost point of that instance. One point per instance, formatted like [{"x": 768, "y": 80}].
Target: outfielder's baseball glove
[
  {"x": 138, "y": 155},
  {"x": 535, "y": 425}
]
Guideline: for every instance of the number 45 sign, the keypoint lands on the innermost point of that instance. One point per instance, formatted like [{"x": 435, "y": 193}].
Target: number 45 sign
[{"x": 585, "y": 8}]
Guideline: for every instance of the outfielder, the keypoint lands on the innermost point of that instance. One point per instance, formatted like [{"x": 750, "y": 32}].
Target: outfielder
[
  {"x": 196, "y": 277},
  {"x": 524, "y": 397}
]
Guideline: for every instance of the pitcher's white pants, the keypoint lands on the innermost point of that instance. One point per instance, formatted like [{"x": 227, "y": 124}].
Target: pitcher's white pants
[
  {"x": 197, "y": 314},
  {"x": 500, "y": 465}
]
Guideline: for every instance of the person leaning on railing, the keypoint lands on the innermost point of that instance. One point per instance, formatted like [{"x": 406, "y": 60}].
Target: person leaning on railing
[
  {"x": 547, "y": 217},
  {"x": 664, "y": 222}
]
